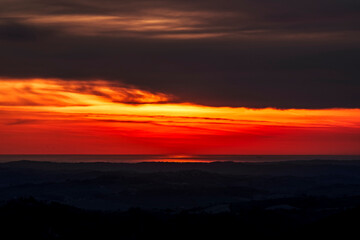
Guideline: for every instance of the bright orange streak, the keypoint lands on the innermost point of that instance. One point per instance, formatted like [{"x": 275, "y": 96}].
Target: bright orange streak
[
  {"x": 71, "y": 93},
  {"x": 56, "y": 116}
]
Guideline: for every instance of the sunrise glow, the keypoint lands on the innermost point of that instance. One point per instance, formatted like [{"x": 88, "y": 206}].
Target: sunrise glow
[{"x": 58, "y": 116}]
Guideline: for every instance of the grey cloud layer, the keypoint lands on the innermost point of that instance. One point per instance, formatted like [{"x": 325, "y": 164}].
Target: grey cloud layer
[{"x": 285, "y": 54}]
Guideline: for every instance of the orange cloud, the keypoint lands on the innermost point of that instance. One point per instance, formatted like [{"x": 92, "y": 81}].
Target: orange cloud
[
  {"x": 56, "y": 116},
  {"x": 71, "y": 93},
  {"x": 154, "y": 23}
]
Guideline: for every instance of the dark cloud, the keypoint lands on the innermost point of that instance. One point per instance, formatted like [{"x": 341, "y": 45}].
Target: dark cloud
[
  {"x": 12, "y": 30},
  {"x": 22, "y": 121},
  {"x": 259, "y": 53}
]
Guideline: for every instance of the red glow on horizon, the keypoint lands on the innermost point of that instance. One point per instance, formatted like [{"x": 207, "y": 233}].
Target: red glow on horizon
[{"x": 72, "y": 117}]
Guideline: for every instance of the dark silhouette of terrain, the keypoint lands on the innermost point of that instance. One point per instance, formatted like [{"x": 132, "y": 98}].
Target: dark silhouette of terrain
[
  {"x": 227, "y": 200},
  {"x": 29, "y": 218},
  {"x": 120, "y": 186}
]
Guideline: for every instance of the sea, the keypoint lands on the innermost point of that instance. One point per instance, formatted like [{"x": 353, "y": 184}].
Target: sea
[{"x": 66, "y": 158}]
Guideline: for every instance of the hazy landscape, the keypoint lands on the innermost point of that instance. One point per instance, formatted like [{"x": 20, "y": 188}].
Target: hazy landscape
[{"x": 268, "y": 196}]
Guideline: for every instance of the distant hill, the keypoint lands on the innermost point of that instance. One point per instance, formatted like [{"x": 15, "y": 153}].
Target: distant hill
[{"x": 111, "y": 186}]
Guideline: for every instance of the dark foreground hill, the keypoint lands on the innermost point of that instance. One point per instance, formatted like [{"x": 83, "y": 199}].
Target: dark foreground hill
[{"x": 29, "y": 218}]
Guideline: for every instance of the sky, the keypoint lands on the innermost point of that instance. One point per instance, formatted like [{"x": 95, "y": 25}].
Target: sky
[{"x": 179, "y": 77}]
